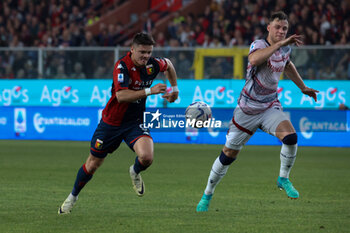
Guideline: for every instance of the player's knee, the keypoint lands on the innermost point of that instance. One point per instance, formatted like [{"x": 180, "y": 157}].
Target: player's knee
[
  {"x": 146, "y": 159},
  {"x": 290, "y": 139},
  {"x": 230, "y": 152},
  {"x": 93, "y": 163}
]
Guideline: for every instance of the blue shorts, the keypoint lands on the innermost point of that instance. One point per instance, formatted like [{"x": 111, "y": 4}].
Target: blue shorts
[{"x": 107, "y": 138}]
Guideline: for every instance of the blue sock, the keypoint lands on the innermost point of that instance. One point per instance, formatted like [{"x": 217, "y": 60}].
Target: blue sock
[
  {"x": 225, "y": 160},
  {"x": 138, "y": 167},
  {"x": 82, "y": 178}
]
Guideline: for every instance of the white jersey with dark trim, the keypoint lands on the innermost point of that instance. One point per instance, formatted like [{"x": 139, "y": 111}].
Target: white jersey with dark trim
[{"x": 260, "y": 90}]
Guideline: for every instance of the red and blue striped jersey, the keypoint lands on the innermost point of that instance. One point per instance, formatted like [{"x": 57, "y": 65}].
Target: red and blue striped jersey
[{"x": 128, "y": 76}]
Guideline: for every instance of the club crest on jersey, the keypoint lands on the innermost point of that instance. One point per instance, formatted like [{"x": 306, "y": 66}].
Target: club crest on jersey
[
  {"x": 149, "y": 69},
  {"x": 98, "y": 144},
  {"x": 120, "y": 78}
]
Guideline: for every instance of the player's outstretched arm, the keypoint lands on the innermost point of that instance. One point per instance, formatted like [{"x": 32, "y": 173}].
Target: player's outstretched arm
[
  {"x": 127, "y": 95},
  {"x": 261, "y": 55},
  {"x": 170, "y": 73},
  {"x": 292, "y": 73}
]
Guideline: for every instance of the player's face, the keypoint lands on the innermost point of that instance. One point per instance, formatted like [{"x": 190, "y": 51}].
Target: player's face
[
  {"x": 277, "y": 30},
  {"x": 140, "y": 54}
]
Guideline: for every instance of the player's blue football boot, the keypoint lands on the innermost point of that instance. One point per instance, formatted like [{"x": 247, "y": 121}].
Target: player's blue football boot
[
  {"x": 204, "y": 203},
  {"x": 284, "y": 183}
]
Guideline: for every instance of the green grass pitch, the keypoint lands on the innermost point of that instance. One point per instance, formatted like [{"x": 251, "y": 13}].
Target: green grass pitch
[{"x": 36, "y": 176}]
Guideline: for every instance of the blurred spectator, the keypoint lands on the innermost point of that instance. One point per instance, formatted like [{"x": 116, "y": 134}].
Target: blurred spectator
[
  {"x": 301, "y": 58},
  {"x": 24, "y": 23},
  {"x": 160, "y": 40},
  {"x": 101, "y": 73},
  {"x": 30, "y": 71},
  {"x": 62, "y": 23},
  {"x": 184, "y": 65},
  {"x": 327, "y": 73},
  {"x": 78, "y": 71},
  {"x": 92, "y": 18},
  {"x": 88, "y": 40},
  {"x": 148, "y": 24},
  {"x": 215, "y": 69},
  {"x": 61, "y": 74},
  {"x": 310, "y": 74},
  {"x": 215, "y": 43}
]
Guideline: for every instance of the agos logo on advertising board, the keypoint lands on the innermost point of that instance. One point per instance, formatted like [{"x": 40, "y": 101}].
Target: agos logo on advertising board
[
  {"x": 102, "y": 96},
  {"x": 220, "y": 95},
  {"x": 330, "y": 97},
  {"x": 17, "y": 94},
  {"x": 58, "y": 96},
  {"x": 284, "y": 96}
]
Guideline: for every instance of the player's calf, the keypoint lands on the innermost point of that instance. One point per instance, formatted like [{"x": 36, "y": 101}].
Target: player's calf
[{"x": 287, "y": 156}]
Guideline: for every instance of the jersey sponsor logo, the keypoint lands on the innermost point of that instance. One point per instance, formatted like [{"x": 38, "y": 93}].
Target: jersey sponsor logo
[
  {"x": 121, "y": 78},
  {"x": 143, "y": 83},
  {"x": 150, "y": 69},
  {"x": 274, "y": 67},
  {"x": 284, "y": 58},
  {"x": 98, "y": 144},
  {"x": 120, "y": 66},
  {"x": 133, "y": 69}
]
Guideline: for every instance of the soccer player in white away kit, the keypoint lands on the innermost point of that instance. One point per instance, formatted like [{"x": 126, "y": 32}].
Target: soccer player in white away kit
[{"x": 258, "y": 106}]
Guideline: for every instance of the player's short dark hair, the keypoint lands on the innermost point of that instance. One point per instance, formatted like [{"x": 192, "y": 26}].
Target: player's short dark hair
[
  {"x": 280, "y": 15},
  {"x": 142, "y": 38}
]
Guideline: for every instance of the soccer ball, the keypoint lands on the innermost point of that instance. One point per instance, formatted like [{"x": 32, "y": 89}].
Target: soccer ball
[{"x": 198, "y": 111}]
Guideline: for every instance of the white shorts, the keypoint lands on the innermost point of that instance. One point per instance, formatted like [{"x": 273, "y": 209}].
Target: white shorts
[{"x": 243, "y": 126}]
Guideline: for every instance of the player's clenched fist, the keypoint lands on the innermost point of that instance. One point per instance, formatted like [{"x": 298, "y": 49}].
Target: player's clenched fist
[
  {"x": 293, "y": 39},
  {"x": 171, "y": 97}
]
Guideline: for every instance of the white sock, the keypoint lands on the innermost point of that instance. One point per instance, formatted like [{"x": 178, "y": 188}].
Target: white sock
[
  {"x": 287, "y": 156},
  {"x": 217, "y": 172}
]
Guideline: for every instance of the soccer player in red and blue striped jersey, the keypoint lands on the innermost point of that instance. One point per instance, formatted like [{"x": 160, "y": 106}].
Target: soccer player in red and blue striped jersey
[{"x": 122, "y": 118}]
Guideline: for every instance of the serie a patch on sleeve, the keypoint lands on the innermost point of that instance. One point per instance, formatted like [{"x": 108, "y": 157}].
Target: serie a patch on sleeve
[{"x": 121, "y": 78}]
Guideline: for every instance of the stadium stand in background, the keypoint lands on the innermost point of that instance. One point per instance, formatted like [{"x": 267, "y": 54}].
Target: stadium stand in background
[{"x": 173, "y": 24}]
